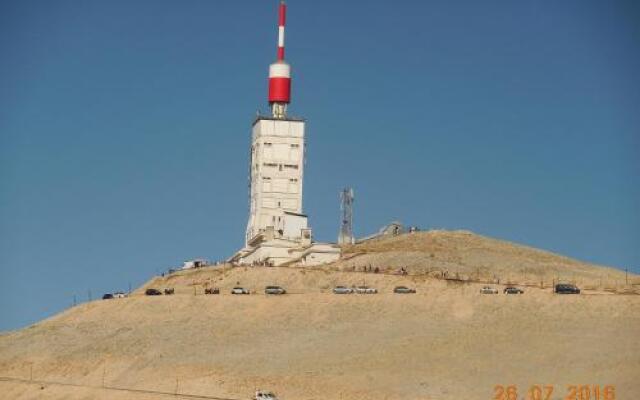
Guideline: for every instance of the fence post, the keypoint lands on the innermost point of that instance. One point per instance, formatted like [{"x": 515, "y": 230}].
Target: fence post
[{"x": 626, "y": 276}]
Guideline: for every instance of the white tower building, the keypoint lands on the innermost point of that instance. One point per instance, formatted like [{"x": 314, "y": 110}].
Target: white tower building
[
  {"x": 277, "y": 230},
  {"x": 277, "y": 171}
]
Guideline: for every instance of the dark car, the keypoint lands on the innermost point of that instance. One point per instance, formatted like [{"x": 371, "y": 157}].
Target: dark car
[
  {"x": 403, "y": 290},
  {"x": 211, "y": 291},
  {"x": 169, "y": 291},
  {"x": 512, "y": 290},
  {"x": 274, "y": 290},
  {"x": 153, "y": 292},
  {"x": 107, "y": 296},
  {"x": 566, "y": 288}
]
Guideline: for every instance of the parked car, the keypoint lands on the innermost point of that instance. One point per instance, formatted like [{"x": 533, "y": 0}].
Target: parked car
[
  {"x": 488, "y": 290},
  {"x": 107, "y": 296},
  {"x": 119, "y": 295},
  {"x": 169, "y": 291},
  {"x": 566, "y": 288},
  {"x": 211, "y": 291},
  {"x": 366, "y": 290},
  {"x": 274, "y": 290},
  {"x": 512, "y": 290},
  {"x": 264, "y": 395},
  {"x": 342, "y": 290},
  {"x": 153, "y": 292},
  {"x": 239, "y": 290},
  {"x": 403, "y": 290}
]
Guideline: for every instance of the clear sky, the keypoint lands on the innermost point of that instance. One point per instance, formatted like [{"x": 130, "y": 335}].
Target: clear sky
[{"x": 124, "y": 129}]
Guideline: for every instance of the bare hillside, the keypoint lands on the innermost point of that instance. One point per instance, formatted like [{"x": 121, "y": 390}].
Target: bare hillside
[
  {"x": 447, "y": 341},
  {"x": 471, "y": 256}
]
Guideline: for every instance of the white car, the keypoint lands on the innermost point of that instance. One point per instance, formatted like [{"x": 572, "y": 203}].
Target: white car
[
  {"x": 366, "y": 290},
  {"x": 239, "y": 290},
  {"x": 488, "y": 290},
  {"x": 264, "y": 395},
  {"x": 342, "y": 290},
  {"x": 119, "y": 295}
]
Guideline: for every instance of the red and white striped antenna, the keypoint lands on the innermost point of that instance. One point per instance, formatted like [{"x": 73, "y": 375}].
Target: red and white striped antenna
[
  {"x": 280, "y": 72},
  {"x": 282, "y": 19}
]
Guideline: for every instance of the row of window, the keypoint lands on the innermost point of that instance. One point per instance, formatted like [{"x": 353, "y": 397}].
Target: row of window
[
  {"x": 280, "y": 166},
  {"x": 269, "y": 144},
  {"x": 280, "y": 185},
  {"x": 288, "y": 204},
  {"x": 268, "y": 178}
]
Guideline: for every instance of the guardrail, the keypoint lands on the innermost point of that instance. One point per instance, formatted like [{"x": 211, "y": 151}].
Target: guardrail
[{"x": 175, "y": 394}]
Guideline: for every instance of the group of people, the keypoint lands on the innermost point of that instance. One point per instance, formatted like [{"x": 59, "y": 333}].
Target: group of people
[
  {"x": 375, "y": 270},
  {"x": 256, "y": 263}
]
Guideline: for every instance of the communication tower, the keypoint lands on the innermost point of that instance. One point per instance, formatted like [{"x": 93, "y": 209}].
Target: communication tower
[{"x": 346, "y": 225}]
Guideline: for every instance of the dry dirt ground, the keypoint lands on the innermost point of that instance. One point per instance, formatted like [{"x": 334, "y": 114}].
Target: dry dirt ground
[{"x": 445, "y": 342}]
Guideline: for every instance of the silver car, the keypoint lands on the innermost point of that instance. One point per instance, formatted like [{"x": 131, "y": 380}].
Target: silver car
[
  {"x": 342, "y": 290},
  {"x": 488, "y": 290},
  {"x": 274, "y": 290}
]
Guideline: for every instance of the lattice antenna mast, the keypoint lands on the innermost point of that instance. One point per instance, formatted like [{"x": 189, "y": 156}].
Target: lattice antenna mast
[{"x": 346, "y": 225}]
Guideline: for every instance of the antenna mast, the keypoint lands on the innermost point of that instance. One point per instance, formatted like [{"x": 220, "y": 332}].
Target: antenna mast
[
  {"x": 346, "y": 225},
  {"x": 280, "y": 72}
]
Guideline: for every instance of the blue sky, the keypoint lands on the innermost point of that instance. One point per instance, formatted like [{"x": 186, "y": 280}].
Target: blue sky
[{"x": 124, "y": 129}]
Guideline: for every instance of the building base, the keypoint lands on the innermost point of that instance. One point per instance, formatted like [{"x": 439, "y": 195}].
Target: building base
[{"x": 279, "y": 252}]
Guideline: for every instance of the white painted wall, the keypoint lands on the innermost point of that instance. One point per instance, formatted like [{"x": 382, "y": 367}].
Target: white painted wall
[
  {"x": 293, "y": 225},
  {"x": 276, "y": 177}
]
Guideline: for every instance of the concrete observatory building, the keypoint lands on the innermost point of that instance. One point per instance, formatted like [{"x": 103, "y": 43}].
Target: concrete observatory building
[{"x": 278, "y": 231}]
